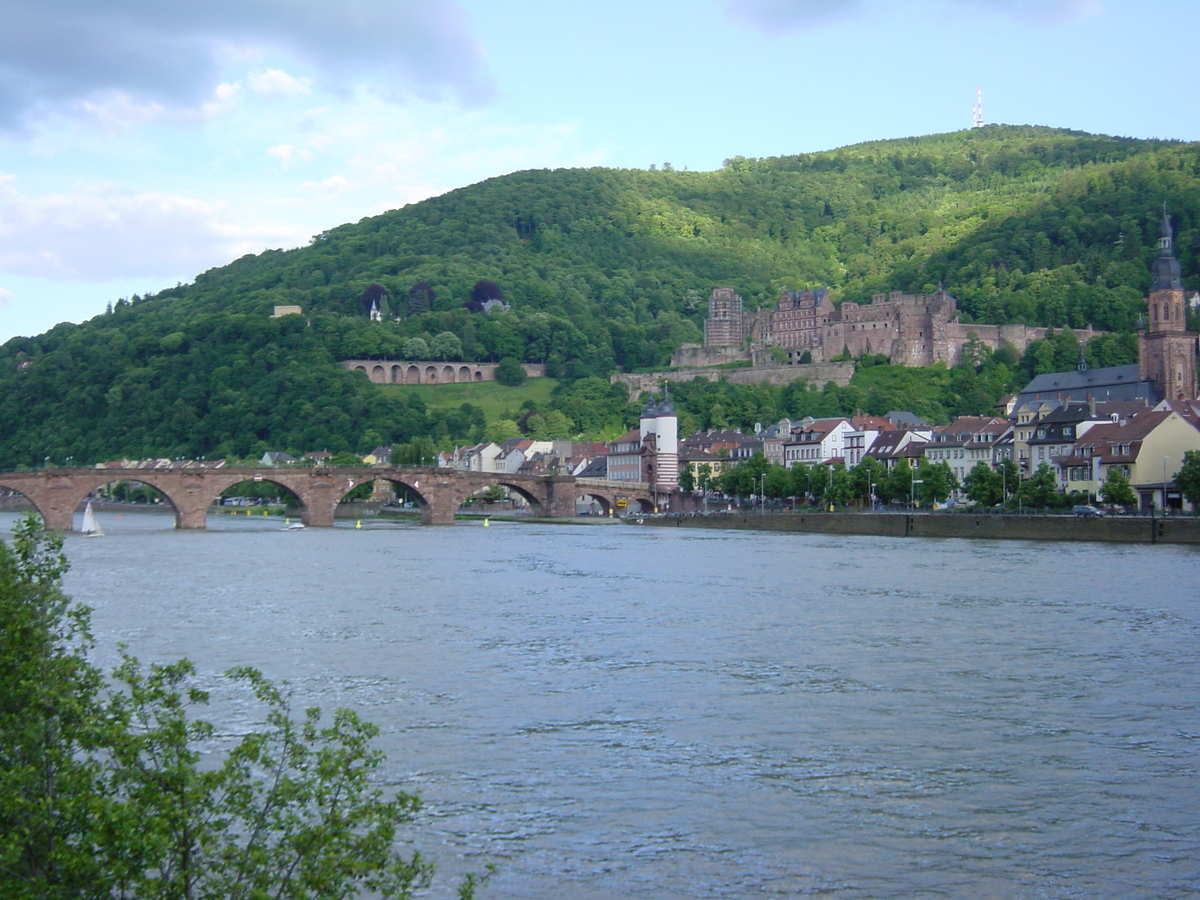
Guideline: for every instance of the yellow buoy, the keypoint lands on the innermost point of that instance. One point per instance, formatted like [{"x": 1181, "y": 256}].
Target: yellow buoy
[
  {"x": 486, "y": 522},
  {"x": 358, "y": 524}
]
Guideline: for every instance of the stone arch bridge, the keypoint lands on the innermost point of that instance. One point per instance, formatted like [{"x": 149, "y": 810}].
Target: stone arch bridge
[{"x": 191, "y": 491}]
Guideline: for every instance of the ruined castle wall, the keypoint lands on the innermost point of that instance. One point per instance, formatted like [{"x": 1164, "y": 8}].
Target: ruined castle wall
[
  {"x": 694, "y": 355},
  {"x": 819, "y": 375}
]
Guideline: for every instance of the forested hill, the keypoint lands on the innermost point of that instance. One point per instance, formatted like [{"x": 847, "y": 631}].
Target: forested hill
[{"x": 607, "y": 269}]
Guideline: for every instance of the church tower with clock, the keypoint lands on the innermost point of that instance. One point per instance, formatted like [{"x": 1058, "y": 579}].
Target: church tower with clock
[{"x": 1166, "y": 349}]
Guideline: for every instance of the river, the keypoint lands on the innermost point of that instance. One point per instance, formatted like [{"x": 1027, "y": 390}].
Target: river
[{"x": 605, "y": 711}]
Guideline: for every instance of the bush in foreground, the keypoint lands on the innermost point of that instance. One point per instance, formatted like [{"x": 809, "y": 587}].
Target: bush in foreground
[{"x": 106, "y": 792}]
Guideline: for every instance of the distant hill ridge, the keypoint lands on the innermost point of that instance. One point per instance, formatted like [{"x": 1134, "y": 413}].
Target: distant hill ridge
[{"x": 609, "y": 270}]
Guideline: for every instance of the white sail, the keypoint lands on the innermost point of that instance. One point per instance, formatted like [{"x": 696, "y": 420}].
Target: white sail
[{"x": 90, "y": 528}]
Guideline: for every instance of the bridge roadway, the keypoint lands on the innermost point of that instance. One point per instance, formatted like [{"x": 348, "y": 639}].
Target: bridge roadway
[{"x": 191, "y": 489}]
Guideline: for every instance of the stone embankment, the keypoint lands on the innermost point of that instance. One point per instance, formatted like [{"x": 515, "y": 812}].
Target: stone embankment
[{"x": 1119, "y": 529}]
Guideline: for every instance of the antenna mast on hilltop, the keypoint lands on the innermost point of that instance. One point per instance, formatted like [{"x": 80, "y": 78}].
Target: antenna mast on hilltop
[{"x": 977, "y": 110}]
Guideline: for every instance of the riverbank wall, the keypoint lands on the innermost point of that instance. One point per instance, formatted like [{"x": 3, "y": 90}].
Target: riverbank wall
[{"x": 1130, "y": 530}]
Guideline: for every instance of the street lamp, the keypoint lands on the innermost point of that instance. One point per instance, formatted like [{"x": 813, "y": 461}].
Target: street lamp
[
  {"x": 1164, "y": 487},
  {"x": 762, "y": 493},
  {"x": 913, "y": 491}
]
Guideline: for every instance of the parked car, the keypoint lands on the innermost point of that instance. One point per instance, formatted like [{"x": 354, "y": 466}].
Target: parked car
[{"x": 1086, "y": 512}]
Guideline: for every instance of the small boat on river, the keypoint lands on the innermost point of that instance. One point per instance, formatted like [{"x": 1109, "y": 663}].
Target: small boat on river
[{"x": 90, "y": 527}]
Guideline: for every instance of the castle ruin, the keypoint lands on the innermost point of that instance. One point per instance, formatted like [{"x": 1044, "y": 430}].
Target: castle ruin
[{"x": 909, "y": 329}]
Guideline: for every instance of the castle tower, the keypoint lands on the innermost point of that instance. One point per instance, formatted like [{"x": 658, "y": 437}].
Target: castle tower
[
  {"x": 725, "y": 325},
  {"x": 1166, "y": 349}
]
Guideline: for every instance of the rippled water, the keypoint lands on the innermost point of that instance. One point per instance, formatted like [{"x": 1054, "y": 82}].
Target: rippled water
[{"x": 608, "y": 711}]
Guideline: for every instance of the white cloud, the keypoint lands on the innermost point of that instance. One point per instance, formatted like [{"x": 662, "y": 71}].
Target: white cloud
[
  {"x": 120, "y": 112},
  {"x": 330, "y": 187},
  {"x": 58, "y": 53},
  {"x": 288, "y": 155},
  {"x": 101, "y": 231},
  {"x": 224, "y": 98},
  {"x": 277, "y": 83},
  {"x": 5, "y": 297}
]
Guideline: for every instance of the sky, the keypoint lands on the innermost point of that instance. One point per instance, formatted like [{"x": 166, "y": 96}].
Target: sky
[{"x": 143, "y": 142}]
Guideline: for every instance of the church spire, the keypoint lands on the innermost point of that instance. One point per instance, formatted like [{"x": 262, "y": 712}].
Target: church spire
[{"x": 1165, "y": 268}]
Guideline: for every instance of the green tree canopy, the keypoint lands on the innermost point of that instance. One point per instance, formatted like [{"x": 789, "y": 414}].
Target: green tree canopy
[
  {"x": 982, "y": 484},
  {"x": 103, "y": 792},
  {"x": 1187, "y": 479},
  {"x": 1117, "y": 491}
]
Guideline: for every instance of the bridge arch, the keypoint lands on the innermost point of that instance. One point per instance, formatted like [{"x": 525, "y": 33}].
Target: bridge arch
[
  {"x": 57, "y": 494},
  {"x": 191, "y": 488},
  {"x": 237, "y": 490},
  {"x": 29, "y": 497},
  {"x": 536, "y": 502},
  {"x": 424, "y": 486},
  {"x": 602, "y": 505}
]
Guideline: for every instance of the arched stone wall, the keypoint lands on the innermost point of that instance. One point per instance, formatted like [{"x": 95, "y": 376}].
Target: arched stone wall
[
  {"x": 431, "y": 372},
  {"x": 605, "y": 503},
  {"x": 190, "y": 489},
  {"x": 536, "y": 506}
]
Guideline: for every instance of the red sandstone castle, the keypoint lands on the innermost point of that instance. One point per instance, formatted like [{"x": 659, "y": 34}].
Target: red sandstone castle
[
  {"x": 923, "y": 329},
  {"x": 910, "y": 329}
]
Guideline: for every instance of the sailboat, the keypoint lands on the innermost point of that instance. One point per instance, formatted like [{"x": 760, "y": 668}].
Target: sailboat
[{"x": 90, "y": 528}]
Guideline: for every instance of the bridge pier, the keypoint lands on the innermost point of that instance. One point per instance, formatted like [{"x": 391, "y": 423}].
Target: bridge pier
[
  {"x": 442, "y": 503},
  {"x": 51, "y": 494},
  {"x": 191, "y": 517},
  {"x": 320, "y": 501},
  {"x": 58, "y": 519},
  {"x": 560, "y": 497}
]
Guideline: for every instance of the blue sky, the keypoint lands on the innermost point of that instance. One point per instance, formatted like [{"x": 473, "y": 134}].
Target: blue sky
[{"x": 144, "y": 141}]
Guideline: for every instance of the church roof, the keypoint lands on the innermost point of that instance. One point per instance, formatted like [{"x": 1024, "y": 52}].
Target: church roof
[{"x": 1108, "y": 383}]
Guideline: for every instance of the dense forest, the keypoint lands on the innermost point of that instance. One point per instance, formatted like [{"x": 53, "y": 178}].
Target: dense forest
[{"x": 608, "y": 270}]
